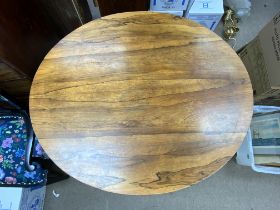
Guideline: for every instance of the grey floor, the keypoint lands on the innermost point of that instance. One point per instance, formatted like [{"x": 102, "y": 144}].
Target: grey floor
[
  {"x": 234, "y": 187},
  {"x": 261, "y": 13}
]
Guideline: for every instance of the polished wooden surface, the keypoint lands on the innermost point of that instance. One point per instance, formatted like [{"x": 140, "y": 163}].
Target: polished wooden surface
[{"x": 141, "y": 103}]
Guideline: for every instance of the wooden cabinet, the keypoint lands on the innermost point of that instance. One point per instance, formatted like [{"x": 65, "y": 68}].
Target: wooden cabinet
[
  {"x": 14, "y": 84},
  {"x": 29, "y": 29},
  {"x": 8, "y": 74},
  {"x": 108, "y": 7}
]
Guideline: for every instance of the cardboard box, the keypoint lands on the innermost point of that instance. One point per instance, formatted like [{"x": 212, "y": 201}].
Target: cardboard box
[
  {"x": 206, "y": 12},
  {"x": 177, "y": 13},
  {"x": 262, "y": 60},
  {"x": 189, "y": 6},
  {"x": 176, "y": 5},
  {"x": 17, "y": 198}
]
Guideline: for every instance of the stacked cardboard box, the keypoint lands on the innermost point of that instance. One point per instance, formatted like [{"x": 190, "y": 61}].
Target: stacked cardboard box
[
  {"x": 175, "y": 7},
  {"x": 262, "y": 60},
  {"x": 207, "y": 13}
]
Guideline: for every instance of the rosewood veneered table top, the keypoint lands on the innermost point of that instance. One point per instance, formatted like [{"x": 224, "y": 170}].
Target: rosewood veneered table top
[{"x": 141, "y": 103}]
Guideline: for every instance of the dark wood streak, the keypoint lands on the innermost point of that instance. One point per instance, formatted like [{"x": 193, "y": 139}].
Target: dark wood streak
[
  {"x": 141, "y": 103},
  {"x": 182, "y": 177}
]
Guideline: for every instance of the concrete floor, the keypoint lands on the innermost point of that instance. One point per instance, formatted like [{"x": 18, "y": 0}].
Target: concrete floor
[{"x": 234, "y": 187}]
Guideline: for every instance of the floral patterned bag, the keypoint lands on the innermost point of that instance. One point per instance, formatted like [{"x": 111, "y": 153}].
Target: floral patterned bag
[{"x": 14, "y": 168}]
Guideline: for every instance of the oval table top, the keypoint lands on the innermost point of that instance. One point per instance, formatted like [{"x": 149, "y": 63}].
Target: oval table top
[{"x": 141, "y": 103}]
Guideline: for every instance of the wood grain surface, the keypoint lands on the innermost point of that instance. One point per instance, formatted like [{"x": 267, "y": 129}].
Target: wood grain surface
[{"x": 141, "y": 103}]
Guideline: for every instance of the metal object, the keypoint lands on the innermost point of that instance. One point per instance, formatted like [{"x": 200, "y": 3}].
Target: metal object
[{"x": 230, "y": 25}]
